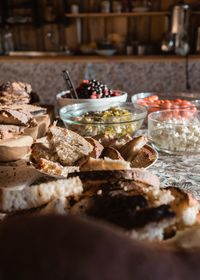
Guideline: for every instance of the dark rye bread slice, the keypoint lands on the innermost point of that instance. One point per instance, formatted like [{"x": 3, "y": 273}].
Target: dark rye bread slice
[{"x": 138, "y": 175}]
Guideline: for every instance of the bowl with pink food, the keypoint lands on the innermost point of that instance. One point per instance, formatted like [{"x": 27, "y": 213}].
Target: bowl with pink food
[{"x": 91, "y": 91}]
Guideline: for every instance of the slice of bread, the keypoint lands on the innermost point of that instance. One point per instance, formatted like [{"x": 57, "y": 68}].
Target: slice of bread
[
  {"x": 42, "y": 149},
  {"x": 15, "y": 148},
  {"x": 68, "y": 145},
  {"x": 131, "y": 149},
  {"x": 106, "y": 176},
  {"x": 111, "y": 153},
  {"x": 55, "y": 168},
  {"x": 58, "y": 206},
  {"x": 97, "y": 147},
  {"x": 104, "y": 164},
  {"x": 12, "y": 199},
  {"x": 185, "y": 205},
  {"x": 9, "y": 116}
]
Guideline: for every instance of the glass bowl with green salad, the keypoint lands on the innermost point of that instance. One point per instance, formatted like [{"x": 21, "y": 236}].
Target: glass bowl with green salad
[{"x": 117, "y": 119}]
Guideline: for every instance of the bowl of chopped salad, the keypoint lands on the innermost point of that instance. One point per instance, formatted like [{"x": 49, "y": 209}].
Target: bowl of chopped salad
[{"x": 116, "y": 119}]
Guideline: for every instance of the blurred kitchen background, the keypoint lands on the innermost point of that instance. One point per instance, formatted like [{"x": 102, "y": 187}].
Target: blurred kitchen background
[{"x": 133, "y": 45}]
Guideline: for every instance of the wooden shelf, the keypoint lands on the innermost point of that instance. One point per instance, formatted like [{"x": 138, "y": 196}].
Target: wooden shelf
[
  {"x": 196, "y": 13},
  {"x": 100, "y": 59},
  {"x": 130, "y": 14}
]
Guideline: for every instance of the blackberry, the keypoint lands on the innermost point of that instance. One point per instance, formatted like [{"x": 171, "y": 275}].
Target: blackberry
[{"x": 94, "y": 89}]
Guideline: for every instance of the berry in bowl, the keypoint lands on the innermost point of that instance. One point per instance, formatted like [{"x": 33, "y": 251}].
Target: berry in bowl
[
  {"x": 92, "y": 91},
  {"x": 116, "y": 120}
]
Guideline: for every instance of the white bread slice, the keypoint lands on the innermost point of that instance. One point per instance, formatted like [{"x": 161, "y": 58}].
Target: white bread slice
[
  {"x": 104, "y": 164},
  {"x": 58, "y": 206},
  {"x": 15, "y": 148},
  {"x": 55, "y": 168},
  {"x": 186, "y": 206},
  {"x": 68, "y": 145},
  {"x": 12, "y": 199}
]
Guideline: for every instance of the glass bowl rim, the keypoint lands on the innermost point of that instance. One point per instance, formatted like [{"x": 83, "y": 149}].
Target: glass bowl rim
[
  {"x": 169, "y": 110},
  {"x": 174, "y": 95},
  {"x": 140, "y": 116}
]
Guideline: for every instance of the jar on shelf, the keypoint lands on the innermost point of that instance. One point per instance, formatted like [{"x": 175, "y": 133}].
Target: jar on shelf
[
  {"x": 105, "y": 6},
  {"x": 116, "y": 6},
  {"x": 141, "y": 5},
  {"x": 8, "y": 43},
  {"x": 74, "y": 8},
  {"x": 50, "y": 12}
]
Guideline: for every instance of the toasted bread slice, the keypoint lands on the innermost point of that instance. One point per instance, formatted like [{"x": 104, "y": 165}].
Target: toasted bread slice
[
  {"x": 97, "y": 147},
  {"x": 131, "y": 149},
  {"x": 104, "y": 164},
  {"x": 111, "y": 153},
  {"x": 55, "y": 168},
  {"x": 142, "y": 159},
  {"x": 99, "y": 177},
  {"x": 68, "y": 145},
  {"x": 185, "y": 205},
  {"x": 43, "y": 149}
]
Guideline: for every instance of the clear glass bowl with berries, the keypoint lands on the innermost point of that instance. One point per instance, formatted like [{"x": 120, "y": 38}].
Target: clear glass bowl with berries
[
  {"x": 115, "y": 120},
  {"x": 92, "y": 91}
]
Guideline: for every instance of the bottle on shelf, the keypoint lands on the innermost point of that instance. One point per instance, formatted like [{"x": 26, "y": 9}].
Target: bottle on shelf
[
  {"x": 116, "y": 6},
  {"x": 8, "y": 43},
  {"x": 75, "y": 7},
  {"x": 50, "y": 12},
  {"x": 105, "y": 6},
  {"x": 129, "y": 45}
]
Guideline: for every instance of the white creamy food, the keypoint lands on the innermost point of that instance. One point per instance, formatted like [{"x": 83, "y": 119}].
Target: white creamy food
[{"x": 176, "y": 135}]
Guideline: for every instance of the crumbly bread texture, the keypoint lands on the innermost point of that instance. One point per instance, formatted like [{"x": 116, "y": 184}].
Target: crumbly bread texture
[
  {"x": 9, "y": 131},
  {"x": 15, "y": 92},
  {"x": 55, "y": 168},
  {"x": 152, "y": 231},
  {"x": 185, "y": 205},
  {"x": 108, "y": 140},
  {"x": 43, "y": 149},
  {"x": 68, "y": 145},
  {"x": 104, "y": 164},
  {"x": 12, "y": 199}
]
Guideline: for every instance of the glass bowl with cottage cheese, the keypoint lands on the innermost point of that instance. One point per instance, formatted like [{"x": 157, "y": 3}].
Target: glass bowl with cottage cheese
[
  {"x": 175, "y": 131},
  {"x": 115, "y": 120}
]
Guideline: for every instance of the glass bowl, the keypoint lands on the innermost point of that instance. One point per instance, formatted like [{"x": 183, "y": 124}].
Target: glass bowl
[
  {"x": 188, "y": 100},
  {"x": 103, "y": 118},
  {"x": 175, "y": 131}
]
